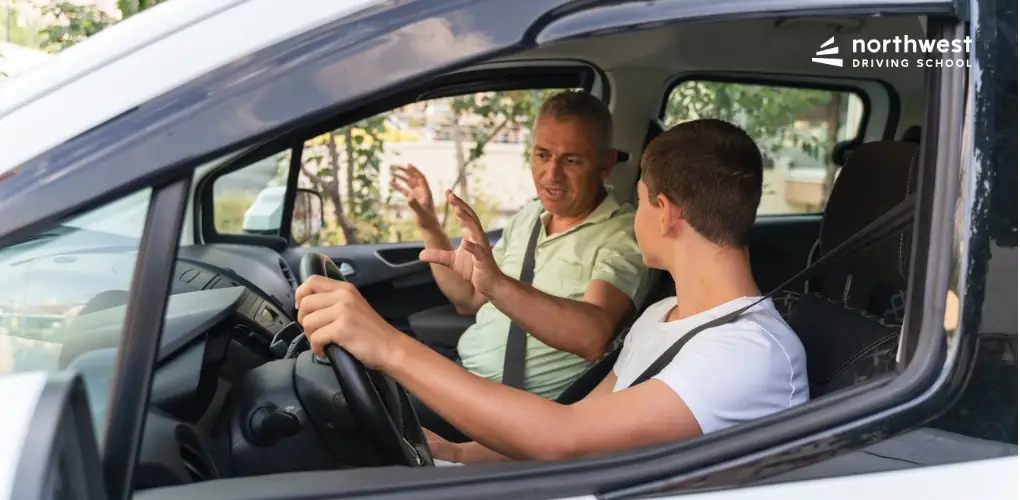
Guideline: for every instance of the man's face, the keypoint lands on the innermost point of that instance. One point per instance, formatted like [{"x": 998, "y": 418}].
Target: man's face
[
  {"x": 648, "y": 227},
  {"x": 567, "y": 165}
]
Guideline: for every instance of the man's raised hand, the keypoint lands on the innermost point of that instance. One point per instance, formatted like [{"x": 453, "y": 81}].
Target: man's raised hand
[
  {"x": 409, "y": 181},
  {"x": 472, "y": 260}
]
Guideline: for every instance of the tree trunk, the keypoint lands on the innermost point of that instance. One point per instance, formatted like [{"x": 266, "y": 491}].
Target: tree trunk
[
  {"x": 333, "y": 188},
  {"x": 349, "y": 147},
  {"x": 834, "y": 112},
  {"x": 459, "y": 183}
]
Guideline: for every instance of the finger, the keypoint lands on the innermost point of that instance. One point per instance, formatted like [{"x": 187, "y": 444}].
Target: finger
[
  {"x": 319, "y": 319},
  {"x": 403, "y": 178},
  {"x": 441, "y": 257},
  {"x": 318, "y": 284},
  {"x": 476, "y": 250},
  {"x": 313, "y": 303},
  {"x": 321, "y": 338},
  {"x": 458, "y": 203},
  {"x": 413, "y": 170},
  {"x": 471, "y": 225},
  {"x": 401, "y": 189}
]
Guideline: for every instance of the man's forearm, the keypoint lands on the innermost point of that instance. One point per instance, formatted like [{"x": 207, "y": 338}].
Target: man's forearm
[
  {"x": 574, "y": 326},
  {"x": 507, "y": 421},
  {"x": 460, "y": 292}
]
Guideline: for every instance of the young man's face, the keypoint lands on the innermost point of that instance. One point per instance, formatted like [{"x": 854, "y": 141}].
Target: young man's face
[
  {"x": 567, "y": 165},
  {"x": 648, "y": 222}
]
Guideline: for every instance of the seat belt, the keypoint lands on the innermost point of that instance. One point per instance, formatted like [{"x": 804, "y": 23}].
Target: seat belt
[
  {"x": 888, "y": 224},
  {"x": 517, "y": 340}
]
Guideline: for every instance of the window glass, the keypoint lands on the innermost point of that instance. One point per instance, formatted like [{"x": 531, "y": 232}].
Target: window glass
[
  {"x": 795, "y": 128},
  {"x": 475, "y": 144},
  {"x": 53, "y": 279},
  {"x": 250, "y": 200}
]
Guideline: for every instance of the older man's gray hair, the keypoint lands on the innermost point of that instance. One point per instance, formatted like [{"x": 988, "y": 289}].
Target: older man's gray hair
[{"x": 571, "y": 104}]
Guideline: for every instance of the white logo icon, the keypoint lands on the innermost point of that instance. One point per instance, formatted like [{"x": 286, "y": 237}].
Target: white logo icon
[{"x": 823, "y": 51}]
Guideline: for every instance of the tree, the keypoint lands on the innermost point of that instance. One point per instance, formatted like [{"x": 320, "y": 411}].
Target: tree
[
  {"x": 355, "y": 175},
  {"x": 767, "y": 113},
  {"x": 76, "y": 22},
  {"x": 490, "y": 113}
]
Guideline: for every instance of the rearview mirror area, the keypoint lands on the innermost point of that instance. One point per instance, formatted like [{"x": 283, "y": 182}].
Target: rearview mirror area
[{"x": 307, "y": 221}]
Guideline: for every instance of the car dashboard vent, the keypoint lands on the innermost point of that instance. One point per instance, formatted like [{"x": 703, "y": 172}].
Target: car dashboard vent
[
  {"x": 196, "y": 461},
  {"x": 288, "y": 274}
]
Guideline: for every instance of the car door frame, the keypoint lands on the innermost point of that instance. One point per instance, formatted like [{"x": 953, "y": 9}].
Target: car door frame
[{"x": 780, "y": 442}]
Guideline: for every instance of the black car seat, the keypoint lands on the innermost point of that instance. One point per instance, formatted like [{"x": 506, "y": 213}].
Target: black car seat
[{"x": 848, "y": 331}]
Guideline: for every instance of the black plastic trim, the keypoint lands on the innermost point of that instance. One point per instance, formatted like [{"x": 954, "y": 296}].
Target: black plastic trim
[{"x": 143, "y": 326}]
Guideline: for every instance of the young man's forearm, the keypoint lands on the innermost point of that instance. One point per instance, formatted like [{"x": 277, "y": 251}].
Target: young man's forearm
[
  {"x": 460, "y": 292},
  {"x": 507, "y": 421},
  {"x": 574, "y": 326}
]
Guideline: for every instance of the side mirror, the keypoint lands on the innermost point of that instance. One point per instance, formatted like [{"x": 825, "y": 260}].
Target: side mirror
[{"x": 307, "y": 220}]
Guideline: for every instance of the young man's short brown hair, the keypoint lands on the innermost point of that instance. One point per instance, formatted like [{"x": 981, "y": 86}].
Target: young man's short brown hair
[{"x": 712, "y": 170}]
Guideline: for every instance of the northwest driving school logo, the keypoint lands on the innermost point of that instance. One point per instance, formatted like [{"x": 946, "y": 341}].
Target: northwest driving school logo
[{"x": 899, "y": 52}]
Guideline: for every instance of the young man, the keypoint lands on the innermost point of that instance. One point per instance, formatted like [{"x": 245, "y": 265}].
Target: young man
[{"x": 698, "y": 195}]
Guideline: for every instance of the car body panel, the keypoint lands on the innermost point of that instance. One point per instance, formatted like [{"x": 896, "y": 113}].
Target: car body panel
[
  {"x": 181, "y": 42},
  {"x": 21, "y": 393}
]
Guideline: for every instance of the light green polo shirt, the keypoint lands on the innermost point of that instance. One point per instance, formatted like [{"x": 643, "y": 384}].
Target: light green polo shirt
[{"x": 603, "y": 247}]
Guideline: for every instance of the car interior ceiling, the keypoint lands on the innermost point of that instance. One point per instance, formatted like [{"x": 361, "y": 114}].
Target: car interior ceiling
[{"x": 850, "y": 317}]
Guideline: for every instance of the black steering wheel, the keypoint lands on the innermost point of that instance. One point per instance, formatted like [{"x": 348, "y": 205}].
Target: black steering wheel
[{"x": 378, "y": 403}]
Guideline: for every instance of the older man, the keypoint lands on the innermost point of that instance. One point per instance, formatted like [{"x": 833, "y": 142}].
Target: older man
[{"x": 587, "y": 269}]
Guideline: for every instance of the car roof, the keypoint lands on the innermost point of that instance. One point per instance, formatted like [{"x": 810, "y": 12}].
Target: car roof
[{"x": 140, "y": 58}]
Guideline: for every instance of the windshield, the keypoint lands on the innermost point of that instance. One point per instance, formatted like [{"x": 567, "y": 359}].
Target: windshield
[{"x": 78, "y": 266}]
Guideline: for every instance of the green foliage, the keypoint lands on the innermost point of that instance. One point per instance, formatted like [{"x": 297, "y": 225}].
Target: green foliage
[
  {"x": 767, "y": 113},
  {"x": 74, "y": 23}
]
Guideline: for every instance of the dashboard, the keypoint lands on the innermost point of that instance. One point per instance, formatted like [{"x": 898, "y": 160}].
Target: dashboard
[{"x": 226, "y": 305}]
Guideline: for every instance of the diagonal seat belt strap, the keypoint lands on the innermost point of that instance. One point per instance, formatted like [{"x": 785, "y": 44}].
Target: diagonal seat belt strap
[
  {"x": 517, "y": 340},
  {"x": 889, "y": 224}
]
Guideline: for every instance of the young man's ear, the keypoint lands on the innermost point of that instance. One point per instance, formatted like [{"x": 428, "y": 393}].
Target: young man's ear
[{"x": 669, "y": 214}]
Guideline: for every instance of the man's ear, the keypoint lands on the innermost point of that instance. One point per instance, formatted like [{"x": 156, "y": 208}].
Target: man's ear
[{"x": 608, "y": 162}]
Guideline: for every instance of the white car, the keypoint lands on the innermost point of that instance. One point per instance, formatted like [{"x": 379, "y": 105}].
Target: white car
[{"x": 144, "y": 350}]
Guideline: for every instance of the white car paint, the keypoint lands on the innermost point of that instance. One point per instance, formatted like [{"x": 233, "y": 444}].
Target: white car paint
[
  {"x": 994, "y": 478},
  {"x": 145, "y": 56},
  {"x": 21, "y": 392}
]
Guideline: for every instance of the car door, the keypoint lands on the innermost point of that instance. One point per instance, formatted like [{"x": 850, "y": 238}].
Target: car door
[
  {"x": 50, "y": 450},
  {"x": 466, "y": 132}
]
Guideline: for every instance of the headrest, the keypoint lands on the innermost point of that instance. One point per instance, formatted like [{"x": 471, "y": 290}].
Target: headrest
[{"x": 876, "y": 177}]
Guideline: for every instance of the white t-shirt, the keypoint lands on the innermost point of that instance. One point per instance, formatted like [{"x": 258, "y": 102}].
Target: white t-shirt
[{"x": 729, "y": 374}]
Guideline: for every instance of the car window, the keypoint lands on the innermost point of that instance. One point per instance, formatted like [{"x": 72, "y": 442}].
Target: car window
[
  {"x": 475, "y": 144},
  {"x": 796, "y": 129},
  {"x": 77, "y": 266},
  {"x": 250, "y": 200}
]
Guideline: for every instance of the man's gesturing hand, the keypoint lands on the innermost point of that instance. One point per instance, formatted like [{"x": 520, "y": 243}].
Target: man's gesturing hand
[
  {"x": 412, "y": 184},
  {"x": 472, "y": 260},
  {"x": 333, "y": 312}
]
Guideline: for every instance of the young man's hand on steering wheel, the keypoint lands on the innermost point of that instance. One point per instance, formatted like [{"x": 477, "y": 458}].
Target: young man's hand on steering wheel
[{"x": 335, "y": 312}]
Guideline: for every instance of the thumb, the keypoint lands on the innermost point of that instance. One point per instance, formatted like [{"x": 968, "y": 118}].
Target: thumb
[{"x": 441, "y": 257}]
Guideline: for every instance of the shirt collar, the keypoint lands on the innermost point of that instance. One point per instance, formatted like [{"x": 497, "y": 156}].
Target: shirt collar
[{"x": 605, "y": 209}]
